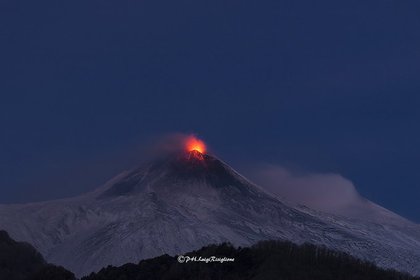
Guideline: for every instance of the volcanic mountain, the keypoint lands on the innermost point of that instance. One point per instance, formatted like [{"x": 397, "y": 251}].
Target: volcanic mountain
[{"x": 185, "y": 201}]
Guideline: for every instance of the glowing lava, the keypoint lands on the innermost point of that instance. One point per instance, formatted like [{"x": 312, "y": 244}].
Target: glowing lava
[{"x": 195, "y": 144}]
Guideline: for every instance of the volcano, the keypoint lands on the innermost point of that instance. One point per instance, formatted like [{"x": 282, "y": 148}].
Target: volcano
[{"x": 187, "y": 200}]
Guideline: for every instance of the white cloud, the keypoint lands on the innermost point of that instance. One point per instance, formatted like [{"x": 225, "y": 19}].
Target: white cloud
[
  {"x": 324, "y": 192},
  {"x": 327, "y": 192}
]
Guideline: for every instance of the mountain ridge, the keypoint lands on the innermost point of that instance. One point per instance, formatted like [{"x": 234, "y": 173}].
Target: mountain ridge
[
  {"x": 21, "y": 261},
  {"x": 182, "y": 203},
  {"x": 264, "y": 260}
]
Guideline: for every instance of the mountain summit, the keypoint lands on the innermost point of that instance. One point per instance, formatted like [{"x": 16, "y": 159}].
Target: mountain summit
[
  {"x": 178, "y": 173},
  {"x": 185, "y": 201}
]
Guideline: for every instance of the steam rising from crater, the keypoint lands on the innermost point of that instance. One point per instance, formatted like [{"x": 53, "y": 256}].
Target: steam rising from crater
[{"x": 175, "y": 143}]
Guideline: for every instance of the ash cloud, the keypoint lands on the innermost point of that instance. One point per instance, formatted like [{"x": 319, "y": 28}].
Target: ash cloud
[
  {"x": 327, "y": 192},
  {"x": 167, "y": 144},
  {"x": 170, "y": 143}
]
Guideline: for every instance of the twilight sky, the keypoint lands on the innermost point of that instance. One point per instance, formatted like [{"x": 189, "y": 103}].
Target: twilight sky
[{"x": 322, "y": 86}]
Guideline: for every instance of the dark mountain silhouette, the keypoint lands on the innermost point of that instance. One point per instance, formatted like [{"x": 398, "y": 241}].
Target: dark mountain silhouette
[
  {"x": 20, "y": 261},
  {"x": 266, "y": 260}
]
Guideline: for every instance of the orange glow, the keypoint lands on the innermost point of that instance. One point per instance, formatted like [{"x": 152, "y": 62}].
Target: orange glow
[{"x": 195, "y": 144}]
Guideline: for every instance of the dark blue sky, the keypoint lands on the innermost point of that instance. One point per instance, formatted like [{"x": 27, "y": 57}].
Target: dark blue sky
[{"x": 327, "y": 86}]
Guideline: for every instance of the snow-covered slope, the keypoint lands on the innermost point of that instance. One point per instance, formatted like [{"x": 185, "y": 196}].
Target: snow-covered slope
[{"x": 183, "y": 202}]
